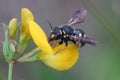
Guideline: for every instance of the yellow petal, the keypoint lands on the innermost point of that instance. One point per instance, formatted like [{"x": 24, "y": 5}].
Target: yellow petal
[
  {"x": 64, "y": 59},
  {"x": 26, "y": 15},
  {"x": 39, "y": 37}
]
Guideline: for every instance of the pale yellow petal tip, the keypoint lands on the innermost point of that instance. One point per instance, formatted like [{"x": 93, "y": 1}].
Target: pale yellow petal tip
[
  {"x": 39, "y": 37},
  {"x": 63, "y": 60},
  {"x": 12, "y": 22},
  {"x": 26, "y": 14}
]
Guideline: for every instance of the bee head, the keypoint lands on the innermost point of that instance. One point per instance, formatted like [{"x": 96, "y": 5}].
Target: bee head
[{"x": 55, "y": 34}]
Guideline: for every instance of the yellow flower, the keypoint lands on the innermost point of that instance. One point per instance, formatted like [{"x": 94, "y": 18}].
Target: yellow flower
[{"x": 55, "y": 57}]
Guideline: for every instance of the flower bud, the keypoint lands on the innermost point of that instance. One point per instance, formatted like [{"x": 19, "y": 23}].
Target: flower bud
[
  {"x": 12, "y": 28},
  {"x": 12, "y": 45}
]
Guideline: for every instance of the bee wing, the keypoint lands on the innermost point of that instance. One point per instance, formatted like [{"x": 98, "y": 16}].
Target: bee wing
[{"x": 78, "y": 17}]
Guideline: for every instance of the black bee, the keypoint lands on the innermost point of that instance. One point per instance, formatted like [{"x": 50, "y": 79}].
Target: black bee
[
  {"x": 63, "y": 34},
  {"x": 66, "y": 33}
]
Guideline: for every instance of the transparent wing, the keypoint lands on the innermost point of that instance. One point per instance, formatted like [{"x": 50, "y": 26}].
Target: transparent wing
[{"x": 78, "y": 17}]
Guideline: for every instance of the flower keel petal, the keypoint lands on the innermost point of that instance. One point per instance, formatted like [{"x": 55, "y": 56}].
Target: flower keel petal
[{"x": 64, "y": 59}]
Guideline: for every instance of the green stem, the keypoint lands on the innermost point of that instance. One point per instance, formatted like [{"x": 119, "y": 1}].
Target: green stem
[{"x": 10, "y": 71}]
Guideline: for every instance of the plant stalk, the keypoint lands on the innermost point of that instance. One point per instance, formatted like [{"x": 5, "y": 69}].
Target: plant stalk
[{"x": 10, "y": 71}]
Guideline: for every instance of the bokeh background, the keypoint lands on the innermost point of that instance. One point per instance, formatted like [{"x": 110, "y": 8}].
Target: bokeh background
[{"x": 102, "y": 23}]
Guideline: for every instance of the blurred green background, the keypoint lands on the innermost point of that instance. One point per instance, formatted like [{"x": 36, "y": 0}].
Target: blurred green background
[{"x": 95, "y": 63}]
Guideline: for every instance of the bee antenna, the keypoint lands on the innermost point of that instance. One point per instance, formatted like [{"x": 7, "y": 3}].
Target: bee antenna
[{"x": 51, "y": 27}]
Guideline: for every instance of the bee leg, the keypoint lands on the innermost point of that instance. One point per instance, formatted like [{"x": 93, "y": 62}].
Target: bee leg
[
  {"x": 66, "y": 42},
  {"x": 82, "y": 43},
  {"x": 60, "y": 50},
  {"x": 77, "y": 43},
  {"x": 61, "y": 42}
]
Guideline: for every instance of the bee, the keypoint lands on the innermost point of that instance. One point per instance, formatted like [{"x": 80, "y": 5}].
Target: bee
[
  {"x": 62, "y": 34},
  {"x": 66, "y": 33}
]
